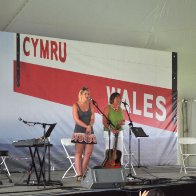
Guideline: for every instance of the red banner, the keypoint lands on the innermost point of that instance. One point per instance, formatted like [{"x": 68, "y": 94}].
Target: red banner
[{"x": 149, "y": 105}]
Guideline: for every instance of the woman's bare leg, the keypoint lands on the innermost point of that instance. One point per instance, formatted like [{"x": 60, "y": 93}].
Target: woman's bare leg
[
  {"x": 87, "y": 153},
  {"x": 78, "y": 158}
]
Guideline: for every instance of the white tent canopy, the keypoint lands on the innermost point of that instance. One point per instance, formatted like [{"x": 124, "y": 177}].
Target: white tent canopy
[
  {"x": 155, "y": 24},
  {"x": 167, "y": 25}
]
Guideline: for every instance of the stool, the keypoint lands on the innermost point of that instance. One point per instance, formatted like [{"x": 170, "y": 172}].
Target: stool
[{"x": 3, "y": 156}]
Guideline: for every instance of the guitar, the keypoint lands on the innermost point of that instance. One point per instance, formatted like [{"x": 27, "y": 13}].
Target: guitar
[{"x": 113, "y": 156}]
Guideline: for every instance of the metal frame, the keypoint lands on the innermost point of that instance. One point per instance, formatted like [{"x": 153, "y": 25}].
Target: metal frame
[
  {"x": 65, "y": 143},
  {"x": 126, "y": 164},
  {"x": 185, "y": 156}
]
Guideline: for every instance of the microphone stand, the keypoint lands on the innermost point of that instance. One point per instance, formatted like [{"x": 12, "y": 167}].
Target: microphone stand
[
  {"x": 108, "y": 120},
  {"x": 49, "y": 182},
  {"x": 43, "y": 166},
  {"x": 130, "y": 137}
]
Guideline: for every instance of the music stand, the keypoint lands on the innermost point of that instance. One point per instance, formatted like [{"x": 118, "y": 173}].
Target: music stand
[
  {"x": 139, "y": 132},
  {"x": 49, "y": 131},
  {"x": 44, "y": 137},
  {"x": 47, "y": 134}
]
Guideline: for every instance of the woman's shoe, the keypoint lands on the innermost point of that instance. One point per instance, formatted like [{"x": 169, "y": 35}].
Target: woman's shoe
[{"x": 79, "y": 178}]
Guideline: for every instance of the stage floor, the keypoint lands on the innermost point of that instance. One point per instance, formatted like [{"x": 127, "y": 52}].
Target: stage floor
[{"x": 165, "y": 177}]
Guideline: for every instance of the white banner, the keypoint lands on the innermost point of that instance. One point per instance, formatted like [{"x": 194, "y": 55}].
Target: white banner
[{"x": 51, "y": 73}]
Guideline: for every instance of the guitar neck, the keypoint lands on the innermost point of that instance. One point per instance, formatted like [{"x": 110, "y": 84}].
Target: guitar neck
[{"x": 115, "y": 141}]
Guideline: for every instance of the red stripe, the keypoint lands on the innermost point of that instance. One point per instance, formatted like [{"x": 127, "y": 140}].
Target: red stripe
[{"x": 62, "y": 87}]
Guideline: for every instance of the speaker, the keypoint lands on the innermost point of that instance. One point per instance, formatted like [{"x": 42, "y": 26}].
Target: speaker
[{"x": 104, "y": 178}]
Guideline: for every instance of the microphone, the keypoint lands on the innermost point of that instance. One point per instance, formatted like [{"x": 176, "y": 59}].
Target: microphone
[
  {"x": 124, "y": 102},
  {"x": 91, "y": 99},
  {"x": 20, "y": 119}
]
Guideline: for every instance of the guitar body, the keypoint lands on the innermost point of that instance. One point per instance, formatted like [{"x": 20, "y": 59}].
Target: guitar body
[{"x": 112, "y": 159}]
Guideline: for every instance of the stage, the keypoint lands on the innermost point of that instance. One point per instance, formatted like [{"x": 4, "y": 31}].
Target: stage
[{"x": 167, "y": 178}]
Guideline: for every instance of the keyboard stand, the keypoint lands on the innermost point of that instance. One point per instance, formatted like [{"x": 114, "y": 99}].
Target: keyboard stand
[
  {"x": 34, "y": 145},
  {"x": 39, "y": 172},
  {"x": 37, "y": 165}
]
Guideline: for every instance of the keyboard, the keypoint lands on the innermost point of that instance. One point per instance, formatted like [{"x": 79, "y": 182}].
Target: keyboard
[{"x": 31, "y": 142}]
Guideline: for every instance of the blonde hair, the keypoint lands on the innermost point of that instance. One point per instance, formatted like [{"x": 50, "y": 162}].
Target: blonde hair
[{"x": 81, "y": 92}]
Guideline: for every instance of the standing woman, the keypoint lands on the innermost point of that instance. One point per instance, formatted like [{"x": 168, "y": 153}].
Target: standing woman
[
  {"x": 83, "y": 136},
  {"x": 114, "y": 113}
]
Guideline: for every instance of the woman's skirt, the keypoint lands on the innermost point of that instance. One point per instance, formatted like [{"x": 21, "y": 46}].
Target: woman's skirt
[{"x": 83, "y": 138}]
